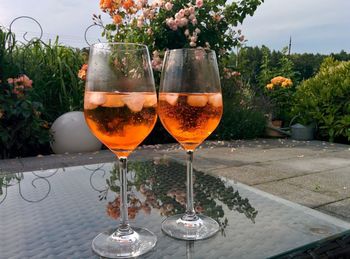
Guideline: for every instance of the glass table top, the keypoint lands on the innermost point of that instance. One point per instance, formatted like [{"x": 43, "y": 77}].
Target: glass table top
[{"x": 56, "y": 213}]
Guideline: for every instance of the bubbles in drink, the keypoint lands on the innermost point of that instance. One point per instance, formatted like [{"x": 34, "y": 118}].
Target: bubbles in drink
[
  {"x": 190, "y": 117},
  {"x": 120, "y": 120}
]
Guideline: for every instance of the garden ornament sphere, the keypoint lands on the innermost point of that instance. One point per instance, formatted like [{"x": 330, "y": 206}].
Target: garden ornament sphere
[{"x": 72, "y": 135}]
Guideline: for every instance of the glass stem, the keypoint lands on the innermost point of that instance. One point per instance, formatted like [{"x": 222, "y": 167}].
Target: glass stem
[
  {"x": 124, "y": 227},
  {"x": 190, "y": 212}
]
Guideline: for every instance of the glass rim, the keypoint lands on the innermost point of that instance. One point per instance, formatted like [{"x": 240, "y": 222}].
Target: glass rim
[
  {"x": 101, "y": 45},
  {"x": 191, "y": 50}
]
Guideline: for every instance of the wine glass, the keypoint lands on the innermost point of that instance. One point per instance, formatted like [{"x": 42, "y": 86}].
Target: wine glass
[
  {"x": 190, "y": 108},
  {"x": 120, "y": 105}
]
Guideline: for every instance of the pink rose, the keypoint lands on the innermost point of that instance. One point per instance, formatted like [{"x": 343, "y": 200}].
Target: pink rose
[
  {"x": 178, "y": 22},
  {"x": 191, "y": 17},
  {"x": 10, "y": 80},
  {"x": 168, "y": 6},
  {"x": 193, "y": 44},
  {"x": 199, "y": 3},
  {"x": 139, "y": 23},
  {"x": 182, "y": 13},
  {"x": 194, "y": 38},
  {"x": 183, "y": 22},
  {"x": 149, "y": 31},
  {"x": 191, "y": 9},
  {"x": 146, "y": 12},
  {"x": 194, "y": 21},
  {"x": 187, "y": 32}
]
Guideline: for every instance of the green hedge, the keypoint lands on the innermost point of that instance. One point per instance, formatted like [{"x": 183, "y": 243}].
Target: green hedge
[{"x": 325, "y": 99}]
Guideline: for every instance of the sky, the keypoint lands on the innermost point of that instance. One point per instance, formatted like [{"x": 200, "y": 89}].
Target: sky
[{"x": 316, "y": 26}]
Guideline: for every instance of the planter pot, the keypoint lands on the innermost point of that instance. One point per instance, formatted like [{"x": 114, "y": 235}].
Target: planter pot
[
  {"x": 274, "y": 124},
  {"x": 72, "y": 135}
]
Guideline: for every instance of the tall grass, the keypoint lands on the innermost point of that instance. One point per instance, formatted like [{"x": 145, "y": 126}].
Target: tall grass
[{"x": 53, "y": 69}]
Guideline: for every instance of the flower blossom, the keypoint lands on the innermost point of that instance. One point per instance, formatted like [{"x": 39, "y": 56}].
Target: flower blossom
[
  {"x": 23, "y": 79},
  {"x": 217, "y": 17},
  {"x": 170, "y": 22},
  {"x": 20, "y": 84},
  {"x": 269, "y": 86},
  {"x": 157, "y": 62},
  {"x": 168, "y": 6},
  {"x": 117, "y": 19},
  {"x": 199, "y": 3},
  {"x": 281, "y": 81},
  {"x": 149, "y": 31},
  {"x": 140, "y": 21},
  {"x": 128, "y": 4},
  {"x": 82, "y": 72},
  {"x": 107, "y": 5},
  {"x": 229, "y": 73}
]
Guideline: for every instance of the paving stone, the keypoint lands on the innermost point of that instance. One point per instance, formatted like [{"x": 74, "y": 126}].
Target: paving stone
[
  {"x": 334, "y": 183},
  {"x": 339, "y": 209},
  {"x": 256, "y": 173},
  {"x": 296, "y": 194}
]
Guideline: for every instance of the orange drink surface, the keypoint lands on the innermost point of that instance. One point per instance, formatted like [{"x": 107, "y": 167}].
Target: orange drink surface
[
  {"x": 190, "y": 117},
  {"x": 121, "y": 121}
]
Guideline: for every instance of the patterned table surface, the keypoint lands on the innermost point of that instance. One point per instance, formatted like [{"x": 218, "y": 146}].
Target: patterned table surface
[{"x": 56, "y": 213}]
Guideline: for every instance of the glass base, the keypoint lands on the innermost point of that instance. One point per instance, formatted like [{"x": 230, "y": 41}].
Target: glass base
[
  {"x": 109, "y": 244},
  {"x": 201, "y": 227}
]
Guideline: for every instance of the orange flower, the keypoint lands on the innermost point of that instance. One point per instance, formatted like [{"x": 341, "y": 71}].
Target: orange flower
[
  {"x": 45, "y": 125},
  {"x": 269, "y": 86},
  {"x": 82, "y": 72},
  {"x": 278, "y": 80},
  {"x": 117, "y": 19},
  {"x": 128, "y": 4},
  {"x": 106, "y": 4}
]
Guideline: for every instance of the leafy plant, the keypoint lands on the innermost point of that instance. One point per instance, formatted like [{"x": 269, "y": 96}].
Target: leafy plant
[
  {"x": 240, "y": 123},
  {"x": 325, "y": 99},
  {"x": 22, "y": 130}
]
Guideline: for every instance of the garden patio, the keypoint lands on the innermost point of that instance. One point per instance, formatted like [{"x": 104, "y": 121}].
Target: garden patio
[{"x": 270, "y": 130}]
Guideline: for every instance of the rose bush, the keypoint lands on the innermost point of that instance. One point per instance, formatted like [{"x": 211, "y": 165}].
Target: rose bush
[
  {"x": 22, "y": 130},
  {"x": 171, "y": 24}
]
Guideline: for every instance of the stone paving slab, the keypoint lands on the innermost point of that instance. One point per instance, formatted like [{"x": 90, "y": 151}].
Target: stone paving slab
[
  {"x": 254, "y": 174},
  {"x": 296, "y": 194},
  {"x": 334, "y": 183},
  {"x": 338, "y": 209}
]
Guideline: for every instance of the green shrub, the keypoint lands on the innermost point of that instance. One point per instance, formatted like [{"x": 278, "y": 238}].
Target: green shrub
[
  {"x": 325, "y": 99},
  {"x": 240, "y": 123}
]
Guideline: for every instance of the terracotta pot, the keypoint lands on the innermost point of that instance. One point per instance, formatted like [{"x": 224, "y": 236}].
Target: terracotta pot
[{"x": 275, "y": 124}]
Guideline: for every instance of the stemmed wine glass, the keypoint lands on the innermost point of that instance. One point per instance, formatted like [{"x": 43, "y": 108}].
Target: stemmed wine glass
[
  {"x": 190, "y": 108},
  {"x": 120, "y": 105}
]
